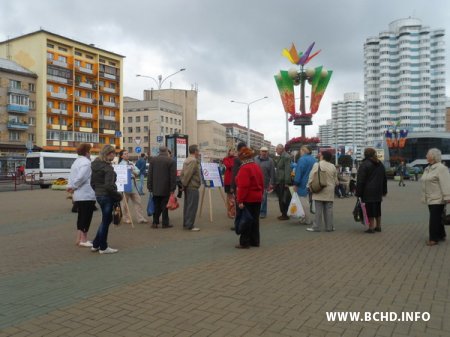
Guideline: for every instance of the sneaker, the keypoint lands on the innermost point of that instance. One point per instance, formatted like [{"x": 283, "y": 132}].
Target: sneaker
[
  {"x": 94, "y": 249},
  {"x": 143, "y": 221},
  {"x": 87, "y": 244},
  {"x": 194, "y": 229},
  {"x": 283, "y": 217},
  {"x": 108, "y": 250},
  {"x": 311, "y": 229}
]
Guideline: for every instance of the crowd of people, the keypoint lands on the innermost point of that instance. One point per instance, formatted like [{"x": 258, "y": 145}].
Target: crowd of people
[{"x": 248, "y": 179}]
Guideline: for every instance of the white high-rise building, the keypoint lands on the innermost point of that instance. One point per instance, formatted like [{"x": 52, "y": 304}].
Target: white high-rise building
[
  {"x": 404, "y": 79},
  {"x": 325, "y": 134},
  {"x": 348, "y": 126}
]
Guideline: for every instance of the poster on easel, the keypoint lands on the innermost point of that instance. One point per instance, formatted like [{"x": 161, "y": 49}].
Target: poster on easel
[
  {"x": 123, "y": 180},
  {"x": 211, "y": 175}
]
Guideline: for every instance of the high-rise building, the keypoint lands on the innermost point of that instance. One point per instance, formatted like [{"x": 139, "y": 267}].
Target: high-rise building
[
  {"x": 187, "y": 99},
  {"x": 404, "y": 79},
  {"x": 78, "y": 90},
  {"x": 149, "y": 120},
  {"x": 325, "y": 134},
  {"x": 348, "y": 126}
]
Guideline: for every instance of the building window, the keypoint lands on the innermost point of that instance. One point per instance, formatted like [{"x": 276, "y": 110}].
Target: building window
[
  {"x": 49, "y": 88},
  {"x": 138, "y": 129},
  {"x": 15, "y": 84},
  {"x": 162, "y": 129},
  {"x": 62, "y": 90},
  {"x": 130, "y": 130},
  {"x": 88, "y": 66},
  {"x": 78, "y": 53},
  {"x": 130, "y": 150},
  {"x": 32, "y": 105},
  {"x": 130, "y": 119},
  {"x": 77, "y": 63},
  {"x": 89, "y": 109},
  {"x": 62, "y": 49},
  {"x": 62, "y": 59},
  {"x": 90, "y": 57},
  {"x": 145, "y": 118},
  {"x": 31, "y": 120},
  {"x": 162, "y": 118},
  {"x": 78, "y": 108},
  {"x": 31, "y": 87},
  {"x": 49, "y": 56},
  {"x": 89, "y": 94},
  {"x": 145, "y": 139},
  {"x": 146, "y": 128},
  {"x": 14, "y": 135},
  {"x": 130, "y": 139},
  {"x": 102, "y": 140},
  {"x": 49, "y": 45},
  {"x": 167, "y": 119},
  {"x": 138, "y": 119},
  {"x": 77, "y": 93},
  {"x": 167, "y": 129},
  {"x": 89, "y": 124},
  {"x": 63, "y": 106},
  {"x": 31, "y": 137}
]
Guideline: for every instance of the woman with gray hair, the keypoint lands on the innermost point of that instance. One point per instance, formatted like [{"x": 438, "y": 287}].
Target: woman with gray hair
[{"x": 435, "y": 193}]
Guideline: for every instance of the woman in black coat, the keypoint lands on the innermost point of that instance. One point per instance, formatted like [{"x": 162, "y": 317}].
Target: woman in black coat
[{"x": 371, "y": 187}]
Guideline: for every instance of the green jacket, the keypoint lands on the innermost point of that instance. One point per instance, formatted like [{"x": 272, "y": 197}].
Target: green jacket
[
  {"x": 283, "y": 169},
  {"x": 190, "y": 175}
]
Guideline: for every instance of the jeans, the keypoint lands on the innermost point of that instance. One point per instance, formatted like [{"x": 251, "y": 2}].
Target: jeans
[
  {"x": 141, "y": 184},
  {"x": 263, "y": 211},
  {"x": 106, "y": 205}
]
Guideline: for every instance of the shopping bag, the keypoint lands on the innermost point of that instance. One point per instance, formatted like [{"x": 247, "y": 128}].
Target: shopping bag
[
  {"x": 295, "y": 207},
  {"x": 365, "y": 221},
  {"x": 150, "y": 205},
  {"x": 173, "y": 203},
  {"x": 243, "y": 220}
]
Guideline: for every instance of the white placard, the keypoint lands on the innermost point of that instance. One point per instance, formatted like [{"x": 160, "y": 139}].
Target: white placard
[
  {"x": 122, "y": 176},
  {"x": 211, "y": 175}
]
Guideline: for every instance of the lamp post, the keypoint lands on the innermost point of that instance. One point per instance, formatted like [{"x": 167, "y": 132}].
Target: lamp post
[
  {"x": 159, "y": 83},
  {"x": 248, "y": 115}
]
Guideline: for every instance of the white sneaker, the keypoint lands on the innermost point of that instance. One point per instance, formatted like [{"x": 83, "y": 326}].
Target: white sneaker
[
  {"x": 194, "y": 229},
  {"x": 94, "y": 249},
  {"x": 87, "y": 244},
  {"x": 108, "y": 250}
]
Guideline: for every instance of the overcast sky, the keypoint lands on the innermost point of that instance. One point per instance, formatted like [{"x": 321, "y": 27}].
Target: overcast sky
[{"x": 231, "y": 49}]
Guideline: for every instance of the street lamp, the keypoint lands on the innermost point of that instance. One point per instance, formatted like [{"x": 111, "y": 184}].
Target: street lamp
[{"x": 248, "y": 115}]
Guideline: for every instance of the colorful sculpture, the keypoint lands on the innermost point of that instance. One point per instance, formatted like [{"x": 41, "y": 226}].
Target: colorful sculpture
[{"x": 285, "y": 80}]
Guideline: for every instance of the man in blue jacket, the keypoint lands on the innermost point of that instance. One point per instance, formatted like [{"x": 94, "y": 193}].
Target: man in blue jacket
[{"x": 304, "y": 166}]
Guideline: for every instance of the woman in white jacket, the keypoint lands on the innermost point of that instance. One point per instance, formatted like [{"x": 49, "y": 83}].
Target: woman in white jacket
[
  {"x": 83, "y": 194},
  {"x": 435, "y": 193},
  {"x": 134, "y": 194}
]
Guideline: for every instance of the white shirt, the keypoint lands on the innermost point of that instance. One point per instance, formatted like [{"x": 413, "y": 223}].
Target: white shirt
[{"x": 80, "y": 179}]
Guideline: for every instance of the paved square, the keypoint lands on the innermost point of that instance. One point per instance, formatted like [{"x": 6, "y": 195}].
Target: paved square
[{"x": 176, "y": 283}]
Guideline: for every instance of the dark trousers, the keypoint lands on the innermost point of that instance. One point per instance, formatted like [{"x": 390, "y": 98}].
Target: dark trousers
[
  {"x": 284, "y": 198},
  {"x": 191, "y": 196},
  {"x": 160, "y": 207},
  {"x": 85, "y": 211},
  {"x": 436, "y": 224},
  {"x": 250, "y": 237},
  {"x": 101, "y": 239}
]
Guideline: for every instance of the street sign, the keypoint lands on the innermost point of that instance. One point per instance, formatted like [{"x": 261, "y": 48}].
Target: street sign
[
  {"x": 159, "y": 139},
  {"x": 138, "y": 149},
  {"x": 137, "y": 140}
]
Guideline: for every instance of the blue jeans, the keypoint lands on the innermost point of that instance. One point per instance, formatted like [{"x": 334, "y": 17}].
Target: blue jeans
[
  {"x": 263, "y": 211},
  {"x": 106, "y": 205},
  {"x": 141, "y": 184}
]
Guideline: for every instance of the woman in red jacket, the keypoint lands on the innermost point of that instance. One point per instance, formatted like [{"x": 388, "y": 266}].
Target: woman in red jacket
[
  {"x": 228, "y": 162},
  {"x": 250, "y": 188}
]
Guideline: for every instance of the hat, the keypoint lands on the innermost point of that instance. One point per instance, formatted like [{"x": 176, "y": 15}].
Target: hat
[
  {"x": 264, "y": 149},
  {"x": 245, "y": 153}
]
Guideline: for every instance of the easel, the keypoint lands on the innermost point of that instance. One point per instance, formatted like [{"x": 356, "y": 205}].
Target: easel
[
  {"x": 124, "y": 198},
  {"x": 211, "y": 178},
  {"x": 210, "y": 201}
]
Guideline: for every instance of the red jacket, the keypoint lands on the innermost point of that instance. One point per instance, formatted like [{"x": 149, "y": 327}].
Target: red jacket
[
  {"x": 250, "y": 183},
  {"x": 228, "y": 162}
]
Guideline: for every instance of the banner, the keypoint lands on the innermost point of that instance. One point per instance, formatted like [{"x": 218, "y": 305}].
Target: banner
[
  {"x": 181, "y": 153},
  {"x": 211, "y": 175}
]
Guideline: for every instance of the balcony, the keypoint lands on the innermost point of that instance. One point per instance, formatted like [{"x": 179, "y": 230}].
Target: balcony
[
  {"x": 85, "y": 85},
  {"x": 16, "y": 108},
  {"x": 110, "y": 104},
  {"x": 59, "y": 95},
  {"x": 85, "y": 70},
  {"x": 109, "y": 76},
  {"x": 110, "y": 90},
  {"x": 17, "y": 126},
  {"x": 19, "y": 91},
  {"x": 109, "y": 118},
  {"x": 59, "y": 111},
  {"x": 86, "y": 100},
  {"x": 59, "y": 63},
  {"x": 84, "y": 115},
  {"x": 59, "y": 79}
]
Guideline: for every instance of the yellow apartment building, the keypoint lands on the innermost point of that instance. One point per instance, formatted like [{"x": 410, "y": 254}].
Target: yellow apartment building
[{"x": 79, "y": 90}]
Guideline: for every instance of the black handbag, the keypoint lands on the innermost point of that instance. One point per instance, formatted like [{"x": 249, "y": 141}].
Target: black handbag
[
  {"x": 117, "y": 213},
  {"x": 243, "y": 220},
  {"x": 357, "y": 211}
]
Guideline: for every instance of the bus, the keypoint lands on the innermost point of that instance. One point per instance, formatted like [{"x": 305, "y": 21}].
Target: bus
[{"x": 43, "y": 168}]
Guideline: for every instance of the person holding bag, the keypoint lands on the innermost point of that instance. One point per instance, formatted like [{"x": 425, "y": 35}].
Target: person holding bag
[
  {"x": 322, "y": 181},
  {"x": 435, "y": 193},
  {"x": 250, "y": 189},
  {"x": 134, "y": 195},
  {"x": 103, "y": 181}
]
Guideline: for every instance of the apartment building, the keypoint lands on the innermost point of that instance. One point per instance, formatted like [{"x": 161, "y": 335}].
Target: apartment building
[
  {"x": 326, "y": 134},
  {"x": 404, "y": 79},
  {"x": 237, "y": 133},
  {"x": 212, "y": 140},
  {"x": 149, "y": 120},
  {"x": 187, "y": 99},
  {"x": 78, "y": 90}
]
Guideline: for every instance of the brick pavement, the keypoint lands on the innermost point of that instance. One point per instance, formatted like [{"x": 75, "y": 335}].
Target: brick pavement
[{"x": 178, "y": 283}]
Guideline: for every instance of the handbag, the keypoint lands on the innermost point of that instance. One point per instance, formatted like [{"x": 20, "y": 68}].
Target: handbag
[
  {"x": 357, "y": 211},
  {"x": 243, "y": 220},
  {"x": 117, "y": 213},
  {"x": 150, "y": 205},
  {"x": 173, "y": 203},
  {"x": 317, "y": 182}
]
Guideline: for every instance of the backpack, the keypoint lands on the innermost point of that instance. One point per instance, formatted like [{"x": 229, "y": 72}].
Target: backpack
[{"x": 318, "y": 181}]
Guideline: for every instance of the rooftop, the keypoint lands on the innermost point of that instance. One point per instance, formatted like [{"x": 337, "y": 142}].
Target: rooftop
[{"x": 11, "y": 66}]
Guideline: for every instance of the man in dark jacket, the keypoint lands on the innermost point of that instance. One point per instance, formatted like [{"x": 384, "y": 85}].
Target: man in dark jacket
[
  {"x": 162, "y": 181},
  {"x": 283, "y": 180}
]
